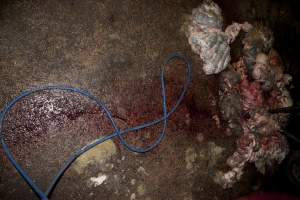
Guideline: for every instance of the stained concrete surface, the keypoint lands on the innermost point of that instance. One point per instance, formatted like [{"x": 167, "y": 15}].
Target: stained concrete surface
[{"x": 113, "y": 49}]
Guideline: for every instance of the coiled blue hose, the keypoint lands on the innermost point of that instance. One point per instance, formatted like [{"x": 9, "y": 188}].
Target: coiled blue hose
[{"x": 117, "y": 132}]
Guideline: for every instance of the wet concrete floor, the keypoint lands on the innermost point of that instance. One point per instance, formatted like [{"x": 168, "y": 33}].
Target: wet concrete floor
[{"x": 114, "y": 49}]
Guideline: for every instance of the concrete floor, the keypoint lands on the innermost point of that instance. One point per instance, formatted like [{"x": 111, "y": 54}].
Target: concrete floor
[{"x": 113, "y": 49}]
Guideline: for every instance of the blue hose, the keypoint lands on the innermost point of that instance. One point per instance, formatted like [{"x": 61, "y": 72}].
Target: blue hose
[{"x": 117, "y": 132}]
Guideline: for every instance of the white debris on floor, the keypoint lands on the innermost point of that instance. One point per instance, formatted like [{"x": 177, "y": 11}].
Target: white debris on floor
[{"x": 96, "y": 181}]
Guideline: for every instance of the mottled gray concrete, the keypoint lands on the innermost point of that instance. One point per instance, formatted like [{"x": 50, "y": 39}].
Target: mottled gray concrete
[{"x": 114, "y": 49}]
